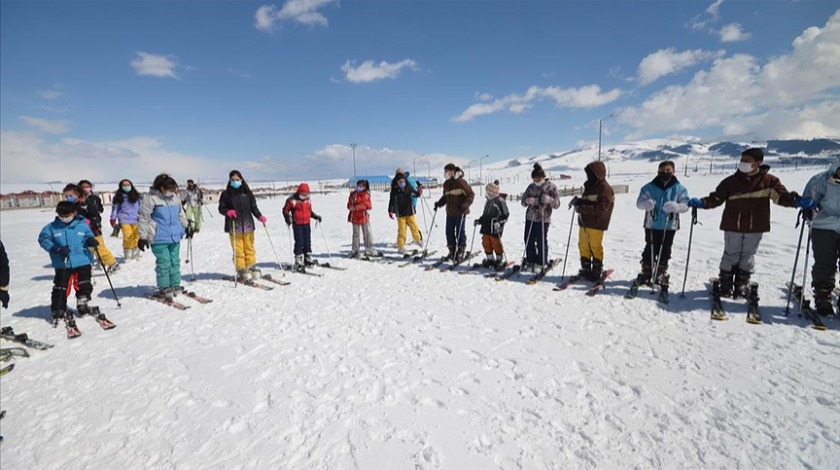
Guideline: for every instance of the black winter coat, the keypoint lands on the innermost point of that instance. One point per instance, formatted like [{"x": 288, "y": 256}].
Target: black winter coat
[
  {"x": 400, "y": 202},
  {"x": 495, "y": 211},
  {"x": 245, "y": 205}
]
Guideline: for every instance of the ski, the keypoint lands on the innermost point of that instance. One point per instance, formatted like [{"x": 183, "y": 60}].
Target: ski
[
  {"x": 437, "y": 263},
  {"x": 291, "y": 268},
  {"x": 196, "y": 297},
  {"x": 541, "y": 274},
  {"x": 805, "y": 308},
  {"x": 568, "y": 282},
  {"x": 7, "y": 369},
  {"x": 8, "y": 353},
  {"x": 417, "y": 258},
  {"x": 467, "y": 256},
  {"x": 8, "y": 333},
  {"x": 170, "y": 303},
  {"x": 270, "y": 278},
  {"x": 599, "y": 285},
  {"x": 100, "y": 317},
  {"x": 70, "y": 326},
  {"x": 330, "y": 266},
  {"x": 718, "y": 313},
  {"x": 509, "y": 272},
  {"x": 753, "y": 313},
  {"x": 501, "y": 271},
  {"x": 249, "y": 283}
]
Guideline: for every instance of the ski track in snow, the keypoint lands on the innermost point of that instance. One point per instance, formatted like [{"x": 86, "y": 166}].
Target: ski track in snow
[{"x": 387, "y": 367}]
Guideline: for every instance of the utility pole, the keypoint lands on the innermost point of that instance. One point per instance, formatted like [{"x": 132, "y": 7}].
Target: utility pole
[{"x": 353, "y": 146}]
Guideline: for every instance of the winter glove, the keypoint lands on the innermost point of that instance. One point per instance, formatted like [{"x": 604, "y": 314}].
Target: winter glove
[
  {"x": 575, "y": 202},
  {"x": 546, "y": 199},
  {"x": 288, "y": 219},
  {"x": 92, "y": 242},
  {"x": 60, "y": 250},
  {"x": 189, "y": 232},
  {"x": 317, "y": 217},
  {"x": 671, "y": 206},
  {"x": 142, "y": 245},
  {"x": 477, "y": 222},
  {"x": 464, "y": 207},
  {"x": 531, "y": 201},
  {"x": 439, "y": 204},
  {"x": 647, "y": 204},
  {"x": 262, "y": 219},
  {"x": 805, "y": 203},
  {"x": 391, "y": 215},
  {"x": 497, "y": 227},
  {"x": 113, "y": 222},
  {"x": 231, "y": 213},
  {"x": 695, "y": 203},
  {"x": 4, "y": 297}
]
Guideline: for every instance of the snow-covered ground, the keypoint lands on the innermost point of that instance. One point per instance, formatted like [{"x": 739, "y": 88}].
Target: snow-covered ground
[{"x": 382, "y": 367}]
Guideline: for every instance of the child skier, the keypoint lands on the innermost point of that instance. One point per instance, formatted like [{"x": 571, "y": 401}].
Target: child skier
[
  {"x": 457, "y": 196},
  {"x": 298, "y": 213},
  {"x": 540, "y": 198},
  {"x": 359, "y": 204},
  {"x": 492, "y": 222},
  {"x": 124, "y": 209},
  {"x": 401, "y": 205},
  {"x": 594, "y": 208},
  {"x": 824, "y": 189},
  {"x": 69, "y": 240},
  {"x": 162, "y": 224},
  {"x": 239, "y": 206},
  {"x": 746, "y": 217},
  {"x": 663, "y": 199},
  {"x": 193, "y": 201},
  {"x": 89, "y": 206}
]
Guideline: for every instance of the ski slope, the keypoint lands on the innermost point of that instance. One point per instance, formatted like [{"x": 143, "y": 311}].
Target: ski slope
[{"x": 383, "y": 367}]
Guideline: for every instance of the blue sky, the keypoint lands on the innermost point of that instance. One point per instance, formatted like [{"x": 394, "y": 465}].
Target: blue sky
[{"x": 107, "y": 90}]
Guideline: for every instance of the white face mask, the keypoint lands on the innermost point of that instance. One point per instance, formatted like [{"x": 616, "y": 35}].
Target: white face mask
[
  {"x": 66, "y": 220},
  {"x": 745, "y": 167}
]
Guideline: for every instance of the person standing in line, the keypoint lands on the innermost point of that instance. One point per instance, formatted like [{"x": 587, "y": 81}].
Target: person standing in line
[
  {"x": 401, "y": 206},
  {"x": 457, "y": 197},
  {"x": 595, "y": 208},
  {"x": 193, "y": 201},
  {"x": 298, "y": 214},
  {"x": 824, "y": 189},
  {"x": 239, "y": 206},
  {"x": 540, "y": 199},
  {"x": 161, "y": 225},
  {"x": 125, "y": 206}
]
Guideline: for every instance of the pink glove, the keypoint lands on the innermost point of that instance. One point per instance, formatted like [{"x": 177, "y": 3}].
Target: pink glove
[
  {"x": 391, "y": 215},
  {"x": 87, "y": 221},
  {"x": 262, "y": 219},
  {"x": 113, "y": 222},
  {"x": 231, "y": 213}
]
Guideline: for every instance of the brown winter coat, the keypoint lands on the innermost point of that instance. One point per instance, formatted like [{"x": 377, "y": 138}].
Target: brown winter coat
[
  {"x": 747, "y": 199},
  {"x": 457, "y": 195},
  {"x": 598, "y": 198}
]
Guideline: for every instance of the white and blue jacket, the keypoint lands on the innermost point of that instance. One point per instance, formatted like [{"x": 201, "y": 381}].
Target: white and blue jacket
[{"x": 658, "y": 219}]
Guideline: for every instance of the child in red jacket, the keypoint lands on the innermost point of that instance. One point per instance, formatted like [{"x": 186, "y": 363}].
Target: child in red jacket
[
  {"x": 359, "y": 204},
  {"x": 298, "y": 213}
]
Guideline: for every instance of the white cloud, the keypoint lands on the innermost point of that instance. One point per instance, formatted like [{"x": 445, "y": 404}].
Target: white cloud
[
  {"x": 46, "y": 125},
  {"x": 240, "y": 73},
  {"x": 733, "y": 33},
  {"x": 585, "y": 97},
  {"x": 714, "y": 8},
  {"x": 49, "y": 94},
  {"x": 26, "y": 157},
  {"x": 155, "y": 65},
  {"x": 305, "y": 12},
  {"x": 789, "y": 94},
  {"x": 711, "y": 15},
  {"x": 369, "y": 71},
  {"x": 265, "y": 18},
  {"x": 668, "y": 61}
]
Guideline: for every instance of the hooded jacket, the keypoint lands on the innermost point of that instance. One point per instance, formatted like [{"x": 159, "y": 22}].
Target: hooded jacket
[
  {"x": 359, "y": 204},
  {"x": 401, "y": 201},
  {"x": 495, "y": 216},
  {"x": 747, "y": 199},
  {"x": 300, "y": 209},
  {"x": 73, "y": 236},
  {"x": 543, "y": 209},
  {"x": 598, "y": 198},
  {"x": 673, "y": 191},
  {"x": 126, "y": 212},
  {"x": 824, "y": 188},
  {"x": 245, "y": 205},
  {"x": 161, "y": 219}
]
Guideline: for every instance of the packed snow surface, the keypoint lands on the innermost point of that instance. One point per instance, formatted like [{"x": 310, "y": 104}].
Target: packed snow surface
[{"x": 389, "y": 367}]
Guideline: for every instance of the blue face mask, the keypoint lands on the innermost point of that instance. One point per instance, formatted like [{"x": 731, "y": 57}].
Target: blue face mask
[
  {"x": 126, "y": 189},
  {"x": 72, "y": 198},
  {"x": 401, "y": 184},
  {"x": 235, "y": 184},
  {"x": 359, "y": 189}
]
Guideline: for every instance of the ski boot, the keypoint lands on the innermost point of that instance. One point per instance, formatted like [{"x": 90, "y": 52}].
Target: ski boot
[
  {"x": 663, "y": 280},
  {"x": 176, "y": 291},
  {"x": 742, "y": 284},
  {"x": 300, "y": 265},
  {"x": 585, "y": 268},
  {"x": 255, "y": 272},
  {"x": 822, "y": 299},
  {"x": 82, "y": 306},
  {"x": 373, "y": 253},
  {"x": 597, "y": 270},
  {"x": 726, "y": 282},
  {"x": 489, "y": 260},
  {"x": 307, "y": 259},
  {"x": 355, "y": 254},
  {"x": 459, "y": 255},
  {"x": 112, "y": 268},
  {"x": 451, "y": 255},
  {"x": 58, "y": 315},
  {"x": 243, "y": 276},
  {"x": 401, "y": 250},
  {"x": 165, "y": 294},
  {"x": 501, "y": 263}
]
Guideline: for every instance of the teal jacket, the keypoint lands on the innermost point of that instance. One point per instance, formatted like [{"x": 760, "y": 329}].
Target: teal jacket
[{"x": 824, "y": 188}]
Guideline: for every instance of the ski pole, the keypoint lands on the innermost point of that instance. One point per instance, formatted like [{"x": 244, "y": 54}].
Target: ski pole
[
  {"x": 585, "y": 234},
  {"x": 107, "y": 276},
  {"x": 423, "y": 207},
  {"x": 429, "y": 233},
  {"x": 543, "y": 254},
  {"x": 658, "y": 256},
  {"x": 805, "y": 266},
  {"x": 795, "y": 262},
  {"x": 472, "y": 240},
  {"x": 291, "y": 248},
  {"x": 688, "y": 254},
  {"x": 235, "y": 271},
  {"x": 208, "y": 210},
  {"x": 326, "y": 246},
  {"x": 568, "y": 244},
  {"x": 192, "y": 263},
  {"x": 273, "y": 250}
]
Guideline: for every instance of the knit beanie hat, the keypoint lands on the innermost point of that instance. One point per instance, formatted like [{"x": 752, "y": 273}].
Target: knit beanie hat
[{"x": 492, "y": 190}]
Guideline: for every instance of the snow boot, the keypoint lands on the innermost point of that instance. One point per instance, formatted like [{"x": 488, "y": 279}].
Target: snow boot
[
  {"x": 299, "y": 264},
  {"x": 742, "y": 284},
  {"x": 243, "y": 275},
  {"x": 255, "y": 272},
  {"x": 451, "y": 255},
  {"x": 307, "y": 259},
  {"x": 645, "y": 278},
  {"x": 597, "y": 270},
  {"x": 585, "y": 268},
  {"x": 726, "y": 282},
  {"x": 459, "y": 255},
  {"x": 489, "y": 260},
  {"x": 165, "y": 293},
  {"x": 82, "y": 306},
  {"x": 113, "y": 268},
  {"x": 662, "y": 277},
  {"x": 822, "y": 299}
]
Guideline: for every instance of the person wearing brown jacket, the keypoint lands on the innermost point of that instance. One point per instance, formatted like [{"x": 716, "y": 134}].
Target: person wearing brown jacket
[
  {"x": 594, "y": 208},
  {"x": 457, "y": 197},
  {"x": 746, "y": 216}
]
